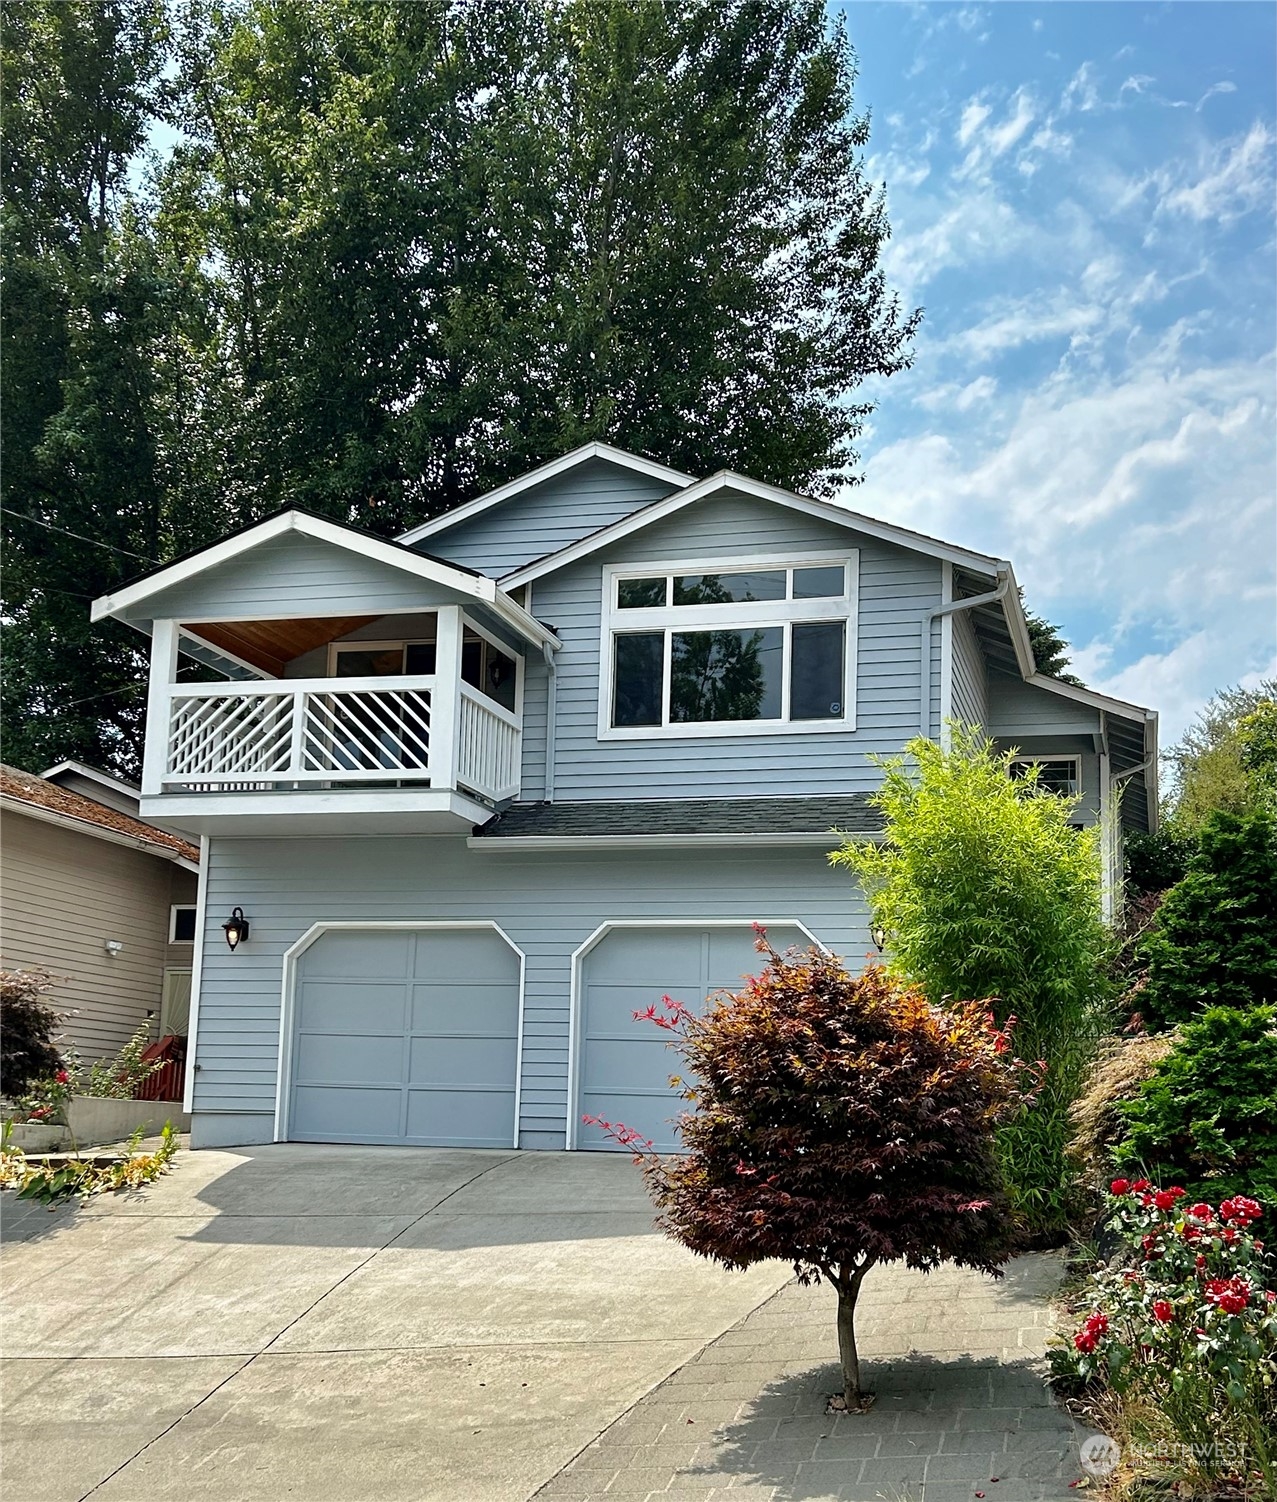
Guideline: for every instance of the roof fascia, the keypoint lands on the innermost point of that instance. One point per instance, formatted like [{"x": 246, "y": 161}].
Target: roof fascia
[
  {"x": 542, "y": 473},
  {"x": 1120, "y": 707},
  {"x": 474, "y": 586},
  {"x": 95, "y": 831},
  {"x": 92, "y": 773},
  {"x": 728, "y": 480},
  {"x": 653, "y": 841}
]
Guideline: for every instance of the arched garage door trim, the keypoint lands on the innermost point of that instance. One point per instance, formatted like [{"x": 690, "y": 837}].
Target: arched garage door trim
[
  {"x": 283, "y": 1075},
  {"x": 579, "y": 956}
]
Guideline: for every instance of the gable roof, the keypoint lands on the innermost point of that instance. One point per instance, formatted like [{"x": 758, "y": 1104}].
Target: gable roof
[
  {"x": 36, "y": 796},
  {"x": 538, "y": 476},
  {"x": 92, "y": 774},
  {"x": 393, "y": 554},
  {"x": 727, "y": 479}
]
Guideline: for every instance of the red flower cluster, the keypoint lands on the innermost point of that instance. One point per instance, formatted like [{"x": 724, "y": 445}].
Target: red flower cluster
[
  {"x": 62, "y": 1077},
  {"x": 1240, "y": 1211},
  {"x": 1231, "y": 1295},
  {"x": 1163, "y": 1313},
  {"x": 1088, "y": 1337}
]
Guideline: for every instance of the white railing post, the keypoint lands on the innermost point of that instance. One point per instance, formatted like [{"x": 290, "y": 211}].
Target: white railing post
[
  {"x": 159, "y": 711},
  {"x": 297, "y": 742},
  {"x": 445, "y": 702}
]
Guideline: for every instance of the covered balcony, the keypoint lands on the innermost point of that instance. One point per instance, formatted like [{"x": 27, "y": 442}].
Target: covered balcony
[{"x": 406, "y": 719}]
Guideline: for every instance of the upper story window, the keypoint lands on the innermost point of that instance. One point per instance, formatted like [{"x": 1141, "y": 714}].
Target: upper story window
[
  {"x": 738, "y": 648},
  {"x": 484, "y": 666},
  {"x": 1056, "y": 774}
]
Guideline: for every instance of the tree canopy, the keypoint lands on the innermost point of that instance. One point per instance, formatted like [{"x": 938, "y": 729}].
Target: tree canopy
[{"x": 374, "y": 257}]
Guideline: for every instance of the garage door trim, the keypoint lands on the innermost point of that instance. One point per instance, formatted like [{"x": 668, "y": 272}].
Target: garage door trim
[
  {"x": 284, "y": 1070},
  {"x": 579, "y": 956}
]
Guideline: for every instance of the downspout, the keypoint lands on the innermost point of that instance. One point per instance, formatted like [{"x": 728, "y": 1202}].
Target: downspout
[
  {"x": 952, "y": 608},
  {"x": 551, "y": 703}
]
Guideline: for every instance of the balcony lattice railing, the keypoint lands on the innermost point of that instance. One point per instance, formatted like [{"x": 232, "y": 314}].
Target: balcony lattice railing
[{"x": 276, "y": 734}]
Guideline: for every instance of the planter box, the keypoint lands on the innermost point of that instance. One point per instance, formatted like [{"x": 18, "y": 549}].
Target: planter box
[
  {"x": 95, "y": 1118},
  {"x": 36, "y": 1137}
]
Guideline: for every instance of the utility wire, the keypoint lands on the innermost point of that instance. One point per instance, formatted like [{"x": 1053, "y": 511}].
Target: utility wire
[{"x": 79, "y": 536}]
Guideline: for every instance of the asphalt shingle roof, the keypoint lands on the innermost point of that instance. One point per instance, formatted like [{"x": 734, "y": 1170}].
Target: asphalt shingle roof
[{"x": 852, "y": 813}]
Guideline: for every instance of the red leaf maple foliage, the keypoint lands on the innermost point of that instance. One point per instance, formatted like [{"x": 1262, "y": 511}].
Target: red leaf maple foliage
[{"x": 837, "y": 1121}]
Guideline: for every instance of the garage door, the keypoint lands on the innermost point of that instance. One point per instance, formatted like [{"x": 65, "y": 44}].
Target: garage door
[
  {"x": 406, "y": 1036},
  {"x": 624, "y": 1065}
]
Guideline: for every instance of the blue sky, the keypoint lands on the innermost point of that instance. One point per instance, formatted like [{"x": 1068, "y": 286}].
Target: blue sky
[{"x": 1082, "y": 198}]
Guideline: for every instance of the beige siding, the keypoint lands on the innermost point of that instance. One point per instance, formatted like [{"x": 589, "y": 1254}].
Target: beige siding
[{"x": 62, "y": 895}]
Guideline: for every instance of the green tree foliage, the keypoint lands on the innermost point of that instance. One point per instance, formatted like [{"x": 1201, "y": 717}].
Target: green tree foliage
[
  {"x": 1050, "y": 650},
  {"x": 837, "y": 1121},
  {"x": 1214, "y": 939},
  {"x": 1226, "y": 760},
  {"x": 84, "y": 304},
  {"x": 392, "y": 254},
  {"x": 1206, "y": 1118},
  {"x": 986, "y": 890},
  {"x": 1157, "y": 861}
]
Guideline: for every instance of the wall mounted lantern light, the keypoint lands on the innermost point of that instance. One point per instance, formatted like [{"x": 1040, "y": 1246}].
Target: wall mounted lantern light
[
  {"x": 236, "y": 928},
  {"x": 879, "y": 935}
]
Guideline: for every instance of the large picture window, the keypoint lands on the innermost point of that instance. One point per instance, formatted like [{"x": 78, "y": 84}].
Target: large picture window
[{"x": 693, "y": 651}]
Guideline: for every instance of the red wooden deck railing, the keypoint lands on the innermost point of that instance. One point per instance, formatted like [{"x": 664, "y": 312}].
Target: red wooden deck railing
[{"x": 169, "y": 1080}]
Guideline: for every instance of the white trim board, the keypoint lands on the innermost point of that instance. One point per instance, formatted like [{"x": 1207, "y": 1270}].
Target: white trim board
[
  {"x": 471, "y": 586},
  {"x": 534, "y": 842},
  {"x": 131, "y": 789},
  {"x": 582, "y": 951},
  {"x": 197, "y": 973},
  {"x": 728, "y": 480},
  {"x": 283, "y": 1070},
  {"x": 538, "y": 476}
]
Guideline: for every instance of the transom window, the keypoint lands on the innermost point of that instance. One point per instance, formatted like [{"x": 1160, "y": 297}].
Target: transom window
[
  {"x": 1061, "y": 775},
  {"x": 731, "y": 649}
]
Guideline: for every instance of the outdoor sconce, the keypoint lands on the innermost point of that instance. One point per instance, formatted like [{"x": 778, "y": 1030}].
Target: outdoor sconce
[
  {"x": 879, "y": 935},
  {"x": 235, "y": 928}
]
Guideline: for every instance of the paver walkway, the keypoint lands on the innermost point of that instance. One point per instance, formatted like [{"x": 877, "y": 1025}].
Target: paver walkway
[{"x": 956, "y": 1360}]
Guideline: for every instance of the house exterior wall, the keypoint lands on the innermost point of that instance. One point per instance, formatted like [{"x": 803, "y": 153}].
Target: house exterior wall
[
  {"x": 293, "y": 575},
  {"x": 896, "y": 588},
  {"x": 545, "y": 518},
  {"x": 65, "y": 894},
  {"x": 970, "y": 680},
  {"x": 548, "y": 904}
]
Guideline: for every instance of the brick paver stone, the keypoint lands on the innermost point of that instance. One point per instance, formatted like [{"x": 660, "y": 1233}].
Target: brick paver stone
[{"x": 957, "y": 1363}]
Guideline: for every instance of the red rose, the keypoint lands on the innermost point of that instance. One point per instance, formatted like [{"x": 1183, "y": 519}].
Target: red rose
[
  {"x": 1201, "y": 1261},
  {"x": 1138, "y": 1185},
  {"x": 1201, "y": 1212},
  {"x": 1084, "y": 1342},
  {"x": 1119, "y": 1186},
  {"x": 1162, "y": 1312},
  {"x": 1228, "y": 1294},
  {"x": 62, "y": 1077},
  {"x": 1097, "y": 1324},
  {"x": 1165, "y": 1199}
]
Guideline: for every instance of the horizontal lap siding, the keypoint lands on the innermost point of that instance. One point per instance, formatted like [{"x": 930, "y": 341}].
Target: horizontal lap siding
[
  {"x": 548, "y": 905},
  {"x": 293, "y": 575},
  {"x": 896, "y": 587},
  {"x": 970, "y": 680},
  {"x": 546, "y": 518},
  {"x": 65, "y": 895}
]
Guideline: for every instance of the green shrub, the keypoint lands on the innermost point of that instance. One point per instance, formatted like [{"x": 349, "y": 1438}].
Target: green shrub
[
  {"x": 1207, "y": 1116},
  {"x": 1154, "y": 862},
  {"x": 117, "y": 1078},
  {"x": 28, "y": 1026},
  {"x": 986, "y": 890},
  {"x": 1214, "y": 940}
]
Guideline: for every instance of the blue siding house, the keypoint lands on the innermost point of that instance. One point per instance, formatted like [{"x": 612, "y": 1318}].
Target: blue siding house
[{"x": 483, "y": 792}]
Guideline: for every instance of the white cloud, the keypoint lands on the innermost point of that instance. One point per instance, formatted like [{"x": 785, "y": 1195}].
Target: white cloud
[
  {"x": 1224, "y": 86},
  {"x": 1231, "y": 178},
  {"x": 1081, "y": 92},
  {"x": 974, "y": 114},
  {"x": 1144, "y": 499}
]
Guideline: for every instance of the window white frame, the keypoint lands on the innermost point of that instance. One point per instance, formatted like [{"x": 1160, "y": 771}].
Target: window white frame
[
  {"x": 743, "y": 616},
  {"x": 336, "y": 648},
  {"x": 181, "y": 907},
  {"x": 1044, "y": 757},
  {"x": 467, "y": 624}
]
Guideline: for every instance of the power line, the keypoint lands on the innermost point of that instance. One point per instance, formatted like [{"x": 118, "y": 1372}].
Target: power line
[{"x": 79, "y": 536}]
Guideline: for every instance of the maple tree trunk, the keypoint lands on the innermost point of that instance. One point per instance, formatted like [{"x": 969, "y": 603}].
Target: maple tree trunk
[{"x": 849, "y": 1281}]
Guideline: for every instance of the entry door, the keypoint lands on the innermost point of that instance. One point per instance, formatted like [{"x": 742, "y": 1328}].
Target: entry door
[
  {"x": 406, "y": 1036},
  {"x": 625, "y": 1065},
  {"x": 175, "y": 1004}
]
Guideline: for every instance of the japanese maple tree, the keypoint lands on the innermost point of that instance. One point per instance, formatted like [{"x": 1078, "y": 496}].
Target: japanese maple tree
[{"x": 837, "y": 1121}]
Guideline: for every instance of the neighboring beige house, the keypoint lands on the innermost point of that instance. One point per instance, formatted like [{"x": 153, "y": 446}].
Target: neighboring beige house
[{"x": 102, "y": 900}]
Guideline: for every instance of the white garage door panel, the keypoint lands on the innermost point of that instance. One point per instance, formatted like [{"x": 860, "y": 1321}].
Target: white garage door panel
[
  {"x": 624, "y": 1065},
  {"x": 406, "y": 1037}
]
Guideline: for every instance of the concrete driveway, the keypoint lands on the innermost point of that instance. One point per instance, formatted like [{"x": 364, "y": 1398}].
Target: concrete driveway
[{"x": 340, "y": 1324}]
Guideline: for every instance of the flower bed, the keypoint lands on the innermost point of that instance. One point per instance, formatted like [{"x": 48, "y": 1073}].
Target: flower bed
[{"x": 1176, "y": 1357}]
